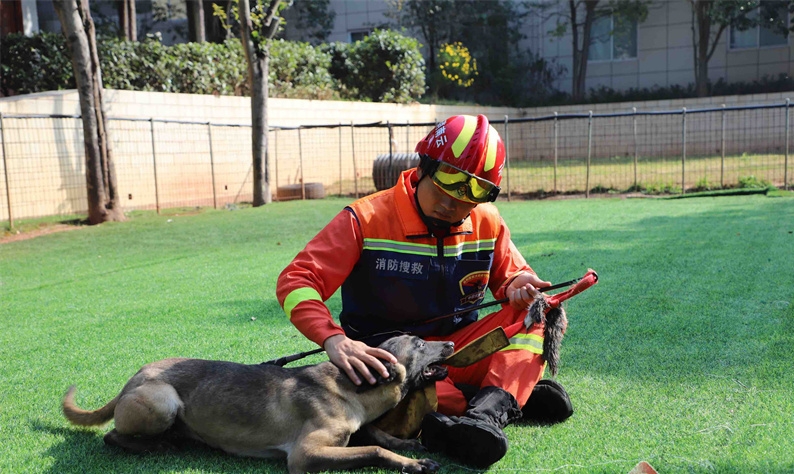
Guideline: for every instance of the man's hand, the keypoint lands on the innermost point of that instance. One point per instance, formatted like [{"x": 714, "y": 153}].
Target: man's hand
[
  {"x": 522, "y": 291},
  {"x": 353, "y": 357}
]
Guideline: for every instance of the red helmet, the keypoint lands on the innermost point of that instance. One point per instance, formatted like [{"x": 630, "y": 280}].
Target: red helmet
[{"x": 474, "y": 152}]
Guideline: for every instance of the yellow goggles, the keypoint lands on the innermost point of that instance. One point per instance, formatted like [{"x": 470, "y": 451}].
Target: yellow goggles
[{"x": 463, "y": 185}]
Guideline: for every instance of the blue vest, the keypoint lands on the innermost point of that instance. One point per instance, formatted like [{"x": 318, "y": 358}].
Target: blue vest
[{"x": 406, "y": 279}]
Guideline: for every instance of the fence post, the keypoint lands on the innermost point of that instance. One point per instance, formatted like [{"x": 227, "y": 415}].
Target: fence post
[
  {"x": 391, "y": 146},
  {"x": 634, "y": 120},
  {"x": 154, "y": 162},
  {"x": 5, "y": 172},
  {"x": 507, "y": 157},
  {"x": 785, "y": 162},
  {"x": 722, "y": 150},
  {"x": 556, "y": 134},
  {"x": 355, "y": 168},
  {"x": 408, "y": 136},
  {"x": 300, "y": 162},
  {"x": 340, "y": 158},
  {"x": 212, "y": 168},
  {"x": 683, "y": 151},
  {"x": 589, "y": 152},
  {"x": 275, "y": 159}
]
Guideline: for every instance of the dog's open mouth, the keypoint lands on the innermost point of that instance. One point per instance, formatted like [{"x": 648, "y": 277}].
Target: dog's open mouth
[{"x": 434, "y": 372}]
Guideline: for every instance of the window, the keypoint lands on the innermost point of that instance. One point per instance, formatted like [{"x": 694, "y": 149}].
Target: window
[
  {"x": 359, "y": 35},
  {"x": 613, "y": 38},
  {"x": 771, "y": 30}
]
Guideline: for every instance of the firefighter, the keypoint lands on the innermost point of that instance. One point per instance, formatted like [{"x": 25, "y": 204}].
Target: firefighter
[{"x": 407, "y": 256}]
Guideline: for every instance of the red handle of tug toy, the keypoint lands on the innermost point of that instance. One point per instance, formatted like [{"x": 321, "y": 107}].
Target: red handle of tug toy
[{"x": 589, "y": 279}]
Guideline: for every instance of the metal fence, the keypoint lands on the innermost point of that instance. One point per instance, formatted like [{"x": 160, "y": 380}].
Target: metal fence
[{"x": 166, "y": 163}]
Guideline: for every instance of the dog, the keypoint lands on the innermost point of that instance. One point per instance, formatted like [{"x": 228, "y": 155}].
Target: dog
[{"x": 306, "y": 414}]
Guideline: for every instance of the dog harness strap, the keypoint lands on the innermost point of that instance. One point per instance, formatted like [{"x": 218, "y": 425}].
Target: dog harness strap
[{"x": 298, "y": 296}]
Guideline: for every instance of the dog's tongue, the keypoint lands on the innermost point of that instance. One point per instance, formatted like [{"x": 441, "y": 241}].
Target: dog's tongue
[{"x": 434, "y": 372}]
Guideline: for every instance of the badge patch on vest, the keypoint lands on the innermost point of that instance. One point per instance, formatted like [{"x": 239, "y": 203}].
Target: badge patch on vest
[{"x": 472, "y": 287}]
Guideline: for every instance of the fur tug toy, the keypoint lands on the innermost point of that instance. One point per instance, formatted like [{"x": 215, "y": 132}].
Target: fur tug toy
[{"x": 548, "y": 310}]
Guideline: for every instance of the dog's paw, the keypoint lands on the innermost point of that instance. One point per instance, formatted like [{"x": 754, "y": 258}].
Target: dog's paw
[
  {"x": 412, "y": 445},
  {"x": 421, "y": 466},
  {"x": 428, "y": 465}
]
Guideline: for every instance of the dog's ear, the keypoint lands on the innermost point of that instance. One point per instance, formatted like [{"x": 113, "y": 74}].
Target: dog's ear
[{"x": 379, "y": 379}]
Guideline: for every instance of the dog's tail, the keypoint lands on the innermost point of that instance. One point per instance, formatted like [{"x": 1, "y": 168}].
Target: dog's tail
[{"x": 81, "y": 417}]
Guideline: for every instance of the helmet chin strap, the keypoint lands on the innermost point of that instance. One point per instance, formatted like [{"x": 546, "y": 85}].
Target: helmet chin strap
[{"x": 431, "y": 222}]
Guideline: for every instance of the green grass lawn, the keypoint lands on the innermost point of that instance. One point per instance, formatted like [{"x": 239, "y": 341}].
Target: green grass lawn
[
  {"x": 681, "y": 355},
  {"x": 654, "y": 175}
]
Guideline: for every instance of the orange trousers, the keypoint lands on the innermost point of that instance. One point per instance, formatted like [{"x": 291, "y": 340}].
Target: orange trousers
[{"x": 515, "y": 369}]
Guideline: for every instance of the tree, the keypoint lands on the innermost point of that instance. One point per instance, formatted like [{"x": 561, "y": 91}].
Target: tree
[
  {"x": 434, "y": 19},
  {"x": 309, "y": 20},
  {"x": 257, "y": 28},
  {"x": 196, "y": 29},
  {"x": 711, "y": 18},
  {"x": 579, "y": 17},
  {"x": 78, "y": 27},
  {"x": 128, "y": 20},
  {"x": 491, "y": 31},
  {"x": 216, "y": 25}
]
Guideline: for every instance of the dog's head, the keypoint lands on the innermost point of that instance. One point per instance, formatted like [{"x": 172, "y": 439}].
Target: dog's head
[{"x": 422, "y": 359}]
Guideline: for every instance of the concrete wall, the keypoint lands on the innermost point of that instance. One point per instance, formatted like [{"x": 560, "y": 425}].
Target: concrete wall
[{"x": 191, "y": 162}]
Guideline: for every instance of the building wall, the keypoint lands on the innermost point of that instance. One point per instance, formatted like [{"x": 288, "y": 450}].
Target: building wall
[
  {"x": 664, "y": 48},
  {"x": 355, "y": 16},
  {"x": 664, "y": 44}
]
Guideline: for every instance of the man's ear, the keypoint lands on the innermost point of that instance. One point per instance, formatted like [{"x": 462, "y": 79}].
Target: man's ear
[{"x": 379, "y": 379}]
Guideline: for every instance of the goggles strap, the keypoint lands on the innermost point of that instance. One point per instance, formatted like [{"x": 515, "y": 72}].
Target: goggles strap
[{"x": 428, "y": 165}]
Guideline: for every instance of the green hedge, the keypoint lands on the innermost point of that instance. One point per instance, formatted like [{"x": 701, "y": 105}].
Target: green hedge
[
  {"x": 385, "y": 67},
  {"x": 297, "y": 70},
  {"x": 34, "y": 64}
]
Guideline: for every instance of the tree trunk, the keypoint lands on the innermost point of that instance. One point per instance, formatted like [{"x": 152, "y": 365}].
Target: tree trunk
[
  {"x": 257, "y": 54},
  {"x": 578, "y": 89},
  {"x": 258, "y": 71},
  {"x": 701, "y": 25},
  {"x": 195, "y": 21},
  {"x": 213, "y": 30},
  {"x": 128, "y": 20},
  {"x": 78, "y": 27}
]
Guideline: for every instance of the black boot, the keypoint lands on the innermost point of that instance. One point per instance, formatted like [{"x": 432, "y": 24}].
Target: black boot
[
  {"x": 548, "y": 404},
  {"x": 476, "y": 438}
]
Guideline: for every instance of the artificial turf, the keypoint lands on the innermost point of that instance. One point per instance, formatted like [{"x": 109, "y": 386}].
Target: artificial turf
[{"x": 680, "y": 356}]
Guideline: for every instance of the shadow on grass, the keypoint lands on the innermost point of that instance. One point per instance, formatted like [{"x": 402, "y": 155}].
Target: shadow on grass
[{"x": 81, "y": 451}]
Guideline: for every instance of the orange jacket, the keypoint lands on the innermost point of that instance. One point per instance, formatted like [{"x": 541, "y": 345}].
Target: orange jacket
[{"x": 393, "y": 273}]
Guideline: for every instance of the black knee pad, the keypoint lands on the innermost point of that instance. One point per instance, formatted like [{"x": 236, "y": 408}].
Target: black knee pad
[{"x": 548, "y": 404}]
